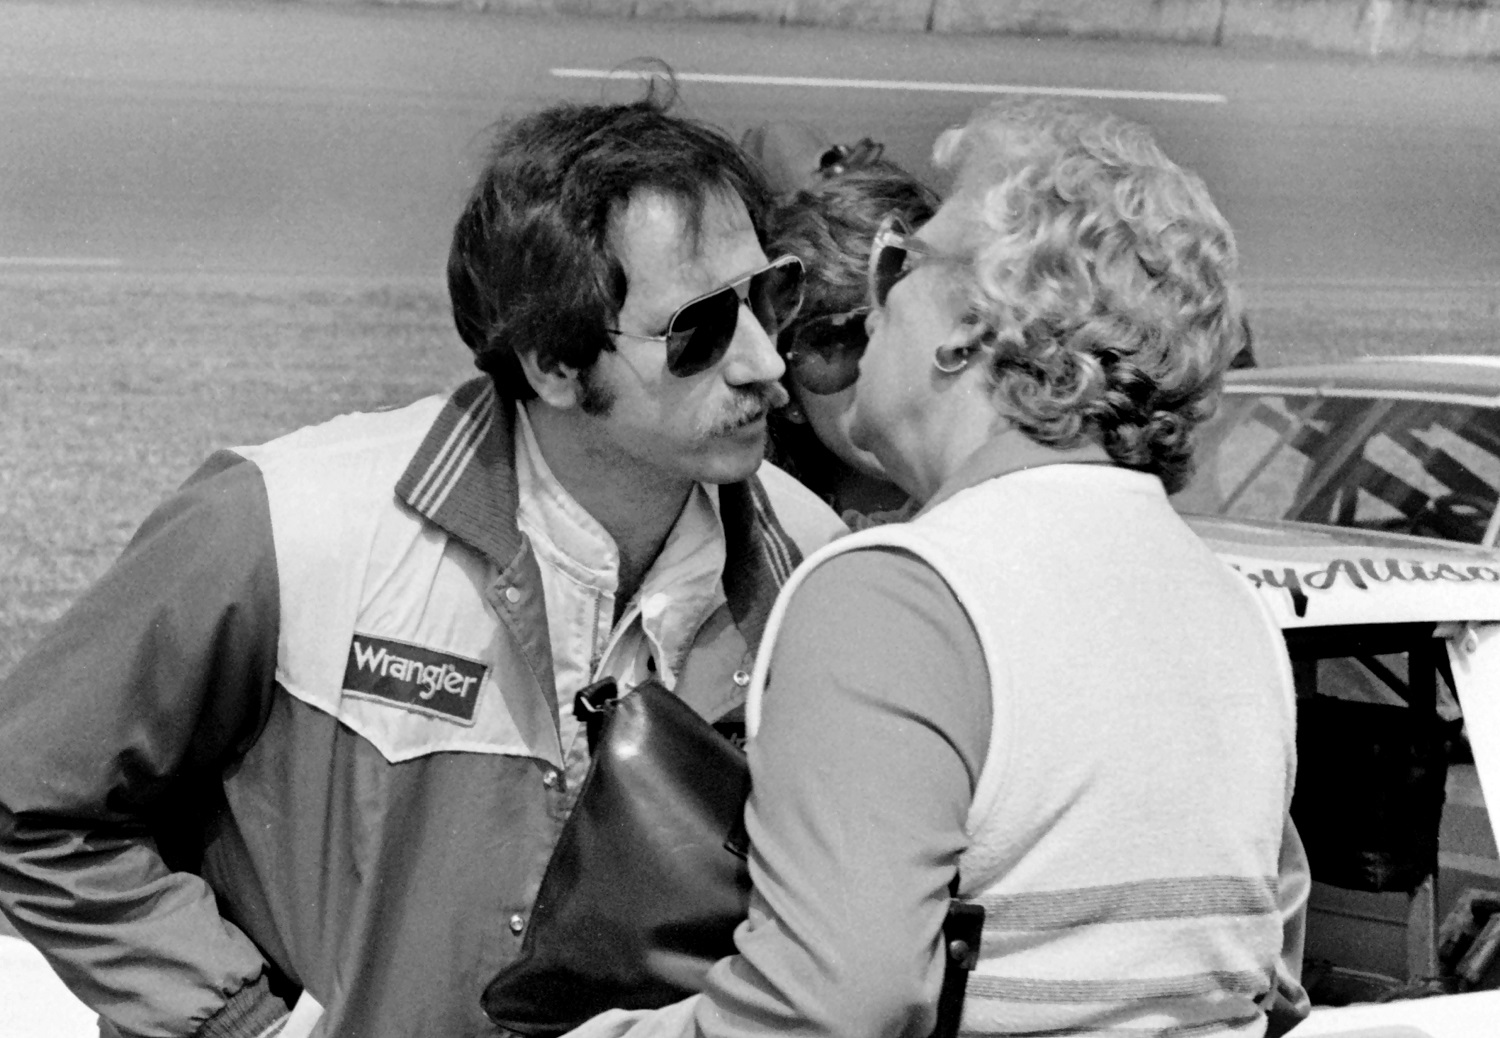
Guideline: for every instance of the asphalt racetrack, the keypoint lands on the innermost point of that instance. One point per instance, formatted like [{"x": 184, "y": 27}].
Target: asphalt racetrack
[{"x": 339, "y": 141}]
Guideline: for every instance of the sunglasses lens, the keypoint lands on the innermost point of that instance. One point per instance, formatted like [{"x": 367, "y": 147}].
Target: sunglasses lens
[
  {"x": 824, "y": 355},
  {"x": 776, "y": 296},
  {"x": 701, "y": 333},
  {"x": 889, "y": 265}
]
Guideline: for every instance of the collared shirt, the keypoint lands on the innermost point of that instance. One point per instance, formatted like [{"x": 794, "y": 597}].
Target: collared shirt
[{"x": 580, "y": 568}]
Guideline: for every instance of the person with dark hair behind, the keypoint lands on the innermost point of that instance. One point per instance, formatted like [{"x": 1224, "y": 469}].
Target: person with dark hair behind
[
  {"x": 834, "y": 198},
  {"x": 829, "y": 226},
  {"x": 308, "y": 746}
]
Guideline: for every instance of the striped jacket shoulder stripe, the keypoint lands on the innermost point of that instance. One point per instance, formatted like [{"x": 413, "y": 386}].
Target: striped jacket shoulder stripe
[
  {"x": 455, "y": 454},
  {"x": 780, "y": 551}
]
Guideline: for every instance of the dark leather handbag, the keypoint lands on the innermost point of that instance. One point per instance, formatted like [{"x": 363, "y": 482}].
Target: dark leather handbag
[{"x": 648, "y": 881}]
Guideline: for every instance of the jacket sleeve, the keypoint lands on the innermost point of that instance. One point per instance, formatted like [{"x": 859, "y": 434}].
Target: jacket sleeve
[{"x": 115, "y": 726}]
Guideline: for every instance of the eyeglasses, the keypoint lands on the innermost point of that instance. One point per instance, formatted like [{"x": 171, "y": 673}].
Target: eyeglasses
[
  {"x": 822, "y": 353},
  {"x": 889, "y": 250},
  {"x": 700, "y": 331}
]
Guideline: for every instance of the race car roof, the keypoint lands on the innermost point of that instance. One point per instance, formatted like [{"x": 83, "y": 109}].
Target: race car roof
[{"x": 1464, "y": 379}]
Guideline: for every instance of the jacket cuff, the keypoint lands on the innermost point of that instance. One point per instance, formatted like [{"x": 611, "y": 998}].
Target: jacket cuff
[{"x": 253, "y": 1012}]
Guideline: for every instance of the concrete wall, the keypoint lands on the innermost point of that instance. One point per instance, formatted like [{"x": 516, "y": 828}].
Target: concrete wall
[
  {"x": 1447, "y": 29},
  {"x": 1443, "y": 28},
  {"x": 874, "y": 14},
  {"x": 1192, "y": 21}
]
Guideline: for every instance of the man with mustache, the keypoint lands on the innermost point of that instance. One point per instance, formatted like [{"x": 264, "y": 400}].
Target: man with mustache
[{"x": 308, "y": 746}]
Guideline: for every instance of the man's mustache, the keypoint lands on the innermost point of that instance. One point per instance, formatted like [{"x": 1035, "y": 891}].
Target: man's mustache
[{"x": 750, "y": 404}]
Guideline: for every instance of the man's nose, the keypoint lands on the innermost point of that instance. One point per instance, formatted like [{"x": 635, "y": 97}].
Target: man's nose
[{"x": 752, "y": 352}]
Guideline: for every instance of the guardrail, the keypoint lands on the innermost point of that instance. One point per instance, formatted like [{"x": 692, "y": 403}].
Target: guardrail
[{"x": 1443, "y": 28}]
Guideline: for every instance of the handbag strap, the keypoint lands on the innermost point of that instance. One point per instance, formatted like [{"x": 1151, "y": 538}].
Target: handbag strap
[
  {"x": 962, "y": 929},
  {"x": 589, "y": 707}
]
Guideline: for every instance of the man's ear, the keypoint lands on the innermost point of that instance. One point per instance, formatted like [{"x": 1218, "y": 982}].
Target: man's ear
[{"x": 557, "y": 385}]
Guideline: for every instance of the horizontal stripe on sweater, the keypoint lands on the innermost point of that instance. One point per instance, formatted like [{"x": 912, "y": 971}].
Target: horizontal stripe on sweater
[
  {"x": 1180, "y": 898},
  {"x": 1033, "y": 989},
  {"x": 1178, "y": 1031}
]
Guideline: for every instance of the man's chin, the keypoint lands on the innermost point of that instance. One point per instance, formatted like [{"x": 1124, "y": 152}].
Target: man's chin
[{"x": 733, "y": 462}]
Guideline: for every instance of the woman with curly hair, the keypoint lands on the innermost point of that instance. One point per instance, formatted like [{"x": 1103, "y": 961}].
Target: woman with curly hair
[{"x": 1043, "y": 689}]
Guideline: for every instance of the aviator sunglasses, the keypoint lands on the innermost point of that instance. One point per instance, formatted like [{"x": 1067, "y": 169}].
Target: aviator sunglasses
[
  {"x": 822, "y": 353},
  {"x": 700, "y": 331},
  {"x": 889, "y": 250}
]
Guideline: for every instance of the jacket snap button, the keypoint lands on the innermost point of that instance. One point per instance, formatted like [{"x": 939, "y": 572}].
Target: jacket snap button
[
  {"x": 549, "y": 779},
  {"x": 517, "y": 924},
  {"x": 512, "y": 595},
  {"x": 741, "y": 677}
]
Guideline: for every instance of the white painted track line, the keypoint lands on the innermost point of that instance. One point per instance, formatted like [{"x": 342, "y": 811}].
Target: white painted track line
[
  {"x": 60, "y": 261},
  {"x": 894, "y": 84},
  {"x": 33, "y": 1002}
]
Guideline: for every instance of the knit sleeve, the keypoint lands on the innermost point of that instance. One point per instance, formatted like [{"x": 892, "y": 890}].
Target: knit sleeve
[{"x": 875, "y": 726}]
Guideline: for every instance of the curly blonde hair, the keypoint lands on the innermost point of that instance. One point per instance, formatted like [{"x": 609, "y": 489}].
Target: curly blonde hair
[{"x": 1101, "y": 282}]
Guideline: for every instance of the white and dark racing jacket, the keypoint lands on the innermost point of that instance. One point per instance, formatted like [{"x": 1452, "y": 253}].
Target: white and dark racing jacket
[{"x": 304, "y": 735}]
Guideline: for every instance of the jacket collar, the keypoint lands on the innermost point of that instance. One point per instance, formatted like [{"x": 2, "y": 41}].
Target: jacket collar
[
  {"x": 463, "y": 476},
  {"x": 463, "y": 479}
]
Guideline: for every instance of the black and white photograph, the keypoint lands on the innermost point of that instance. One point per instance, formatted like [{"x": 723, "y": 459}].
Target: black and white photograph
[{"x": 731, "y": 518}]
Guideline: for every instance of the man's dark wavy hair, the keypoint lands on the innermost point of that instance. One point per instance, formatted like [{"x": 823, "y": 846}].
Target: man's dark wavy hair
[{"x": 530, "y": 269}]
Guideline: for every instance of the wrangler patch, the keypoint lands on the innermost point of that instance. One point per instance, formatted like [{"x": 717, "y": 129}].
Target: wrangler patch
[{"x": 413, "y": 677}]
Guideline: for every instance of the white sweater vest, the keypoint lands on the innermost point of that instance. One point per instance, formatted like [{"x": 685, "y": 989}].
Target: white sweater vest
[{"x": 1127, "y": 821}]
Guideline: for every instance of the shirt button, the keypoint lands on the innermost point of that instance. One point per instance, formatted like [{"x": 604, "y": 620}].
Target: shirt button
[
  {"x": 517, "y": 924},
  {"x": 512, "y": 595},
  {"x": 549, "y": 778},
  {"x": 741, "y": 677}
]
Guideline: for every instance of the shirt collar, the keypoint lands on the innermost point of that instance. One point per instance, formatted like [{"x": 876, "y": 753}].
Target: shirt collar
[
  {"x": 686, "y": 582},
  {"x": 574, "y": 539},
  {"x": 689, "y": 567},
  {"x": 682, "y": 587},
  {"x": 462, "y": 479}
]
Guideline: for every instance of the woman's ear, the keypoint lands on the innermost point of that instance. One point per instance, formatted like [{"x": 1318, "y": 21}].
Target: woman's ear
[
  {"x": 956, "y": 350},
  {"x": 950, "y": 359},
  {"x": 966, "y": 342}
]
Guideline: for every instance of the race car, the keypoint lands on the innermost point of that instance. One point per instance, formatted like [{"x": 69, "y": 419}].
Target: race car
[{"x": 1395, "y": 648}]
